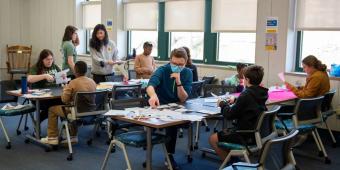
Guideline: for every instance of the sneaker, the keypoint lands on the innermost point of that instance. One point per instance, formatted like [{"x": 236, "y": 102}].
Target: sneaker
[
  {"x": 74, "y": 140},
  {"x": 50, "y": 140},
  {"x": 173, "y": 163}
]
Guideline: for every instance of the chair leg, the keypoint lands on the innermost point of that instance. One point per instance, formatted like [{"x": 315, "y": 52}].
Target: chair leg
[
  {"x": 225, "y": 161},
  {"x": 215, "y": 125},
  {"x": 291, "y": 156},
  {"x": 327, "y": 160},
  {"x": 331, "y": 134},
  {"x": 207, "y": 129},
  {"x": 6, "y": 135},
  {"x": 94, "y": 132},
  {"x": 19, "y": 124},
  {"x": 167, "y": 156},
  {"x": 122, "y": 146},
  {"x": 107, "y": 155},
  {"x": 317, "y": 142},
  {"x": 246, "y": 157},
  {"x": 70, "y": 156},
  {"x": 26, "y": 127}
]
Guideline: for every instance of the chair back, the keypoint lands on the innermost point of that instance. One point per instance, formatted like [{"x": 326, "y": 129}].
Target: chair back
[
  {"x": 208, "y": 79},
  {"x": 6, "y": 85},
  {"x": 277, "y": 153},
  {"x": 91, "y": 103},
  {"x": 327, "y": 100},
  {"x": 114, "y": 78},
  {"x": 217, "y": 89},
  {"x": 132, "y": 74},
  {"x": 19, "y": 58},
  {"x": 265, "y": 126},
  {"x": 132, "y": 96},
  {"x": 308, "y": 111},
  {"x": 196, "y": 90}
]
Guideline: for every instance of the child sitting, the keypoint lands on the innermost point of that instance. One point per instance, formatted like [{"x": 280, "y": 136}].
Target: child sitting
[
  {"x": 236, "y": 80},
  {"x": 245, "y": 110}
]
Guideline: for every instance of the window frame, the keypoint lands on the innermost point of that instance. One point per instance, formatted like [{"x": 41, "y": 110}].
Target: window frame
[
  {"x": 210, "y": 39},
  {"x": 299, "y": 44},
  {"x": 88, "y": 32}
]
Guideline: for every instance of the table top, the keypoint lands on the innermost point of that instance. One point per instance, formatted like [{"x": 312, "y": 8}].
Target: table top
[
  {"x": 51, "y": 93},
  {"x": 276, "y": 97}
]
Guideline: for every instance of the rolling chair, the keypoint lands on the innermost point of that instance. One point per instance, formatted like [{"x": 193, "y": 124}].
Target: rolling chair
[{"x": 327, "y": 111}]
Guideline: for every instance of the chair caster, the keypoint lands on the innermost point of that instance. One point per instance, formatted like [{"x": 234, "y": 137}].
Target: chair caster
[
  {"x": 9, "y": 146},
  {"x": 215, "y": 130},
  {"x": 144, "y": 164},
  {"x": 70, "y": 157},
  {"x": 98, "y": 134},
  {"x": 189, "y": 158},
  {"x": 27, "y": 141},
  {"x": 207, "y": 129},
  {"x": 180, "y": 135},
  {"x": 320, "y": 154},
  {"x": 26, "y": 128},
  {"x": 18, "y": 132},
  {"x": 334, "y": 145},
  {"x": 113, "y": 150},
  {"x": 327, "y": 160},
  {"x": 89, "y": 142},
  {"x": 203, "y": 155}
]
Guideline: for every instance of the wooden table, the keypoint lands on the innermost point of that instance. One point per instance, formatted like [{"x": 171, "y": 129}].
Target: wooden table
[
  {"x": 150, "y": 124},
  {"x": 55, "y": 94}
]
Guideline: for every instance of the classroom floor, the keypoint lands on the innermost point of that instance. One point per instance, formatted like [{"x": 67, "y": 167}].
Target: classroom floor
[{"x": 31, "y": 157}]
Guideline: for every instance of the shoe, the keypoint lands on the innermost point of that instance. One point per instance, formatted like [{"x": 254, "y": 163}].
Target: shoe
[
  {"x": 173, "y": 163},
  {"x": 50, "y": 140},
  {"x": 74, "y": 140}
]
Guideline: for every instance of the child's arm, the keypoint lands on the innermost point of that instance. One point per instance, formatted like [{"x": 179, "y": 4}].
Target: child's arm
[{"x": 231, "y": 112}]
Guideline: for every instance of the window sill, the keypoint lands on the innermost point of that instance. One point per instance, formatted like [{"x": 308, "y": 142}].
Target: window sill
[
  {"x": 84, "y": 55},
  {"x": 201, "y": 65},
  {"x": 301, "y": 74}
]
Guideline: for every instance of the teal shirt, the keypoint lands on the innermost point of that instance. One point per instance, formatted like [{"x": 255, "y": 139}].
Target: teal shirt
[
  {"x": 68, "y": 49},
  {"x": 232, "y": 81}
]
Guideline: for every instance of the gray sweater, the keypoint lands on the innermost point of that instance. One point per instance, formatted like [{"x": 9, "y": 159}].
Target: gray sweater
[{"x": 108, "y": 52}]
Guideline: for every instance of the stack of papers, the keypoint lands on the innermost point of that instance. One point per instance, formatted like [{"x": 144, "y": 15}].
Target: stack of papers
[
  {"x": 10, "y": 107},
  {"x": 117, "y": 113}
]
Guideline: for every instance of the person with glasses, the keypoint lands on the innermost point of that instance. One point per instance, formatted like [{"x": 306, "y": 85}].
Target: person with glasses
[{"x": 171, "y": 83}]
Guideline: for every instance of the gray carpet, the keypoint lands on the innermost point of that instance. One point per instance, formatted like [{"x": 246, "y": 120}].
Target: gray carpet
[{"x": 31, "y": 157}]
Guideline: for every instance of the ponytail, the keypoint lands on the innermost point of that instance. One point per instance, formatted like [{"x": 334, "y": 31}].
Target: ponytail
[{"x": 312, "y": 61}]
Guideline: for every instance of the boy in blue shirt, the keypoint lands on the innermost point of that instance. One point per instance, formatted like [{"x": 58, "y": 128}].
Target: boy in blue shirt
[{"x": 171, "y": 83}]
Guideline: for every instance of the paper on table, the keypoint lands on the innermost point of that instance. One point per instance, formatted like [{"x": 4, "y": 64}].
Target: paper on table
[
  {"x": 281, "y": 76},
  {"x": 208, "y": 112},
  {"x": 210, "y": 100},
  {"x": 117, "y": 113},
  {"x": 60, "y": 77},
  {"x": 10, "y": 107}
]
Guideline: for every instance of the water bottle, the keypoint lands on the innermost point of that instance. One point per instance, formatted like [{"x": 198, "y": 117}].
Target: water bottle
[{"x": 23, "y": 85}]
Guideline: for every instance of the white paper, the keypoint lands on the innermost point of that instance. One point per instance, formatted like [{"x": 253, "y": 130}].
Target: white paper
[
  {"x": 282, "y": 77},
  {"x": 210, "y": 100},
  {"x": 117, "y": 113},
  {"x": 60, "y": 77},
  {"x": 10, "y": 107},
  {"x": 209, "y": 112}
]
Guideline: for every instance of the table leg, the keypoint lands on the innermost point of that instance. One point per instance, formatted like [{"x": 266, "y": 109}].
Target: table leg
[
  {"x": 36, "y": 138},
  {"x": 148, "y": 148},
  {"x": 190, "y": 143}
]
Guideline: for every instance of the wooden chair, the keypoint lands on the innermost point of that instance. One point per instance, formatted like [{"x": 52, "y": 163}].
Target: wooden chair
[{"x": 18, "y": 59}]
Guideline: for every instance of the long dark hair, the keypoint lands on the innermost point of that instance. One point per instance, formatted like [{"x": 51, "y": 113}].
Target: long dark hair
[
  {"x": 95, "y": 42},
  {"x": 69, "y": 31},
  {"x": 312, "y": 61},
  {"x": 40, "y": 64},
  {"x": 189, "y": 62}
]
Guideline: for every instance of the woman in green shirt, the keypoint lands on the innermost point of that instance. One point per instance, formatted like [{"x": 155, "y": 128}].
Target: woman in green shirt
[
  {"x": 41, "y": 75},
  {"x": 70, "y": 41}
]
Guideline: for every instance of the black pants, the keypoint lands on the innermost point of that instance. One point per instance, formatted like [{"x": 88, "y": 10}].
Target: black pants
[
  {"x": 100, "y": 78},
  {"x": 171, "y": 144}
]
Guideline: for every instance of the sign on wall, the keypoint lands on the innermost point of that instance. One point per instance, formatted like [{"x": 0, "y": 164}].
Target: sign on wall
[{"x": 271, "y": 33}]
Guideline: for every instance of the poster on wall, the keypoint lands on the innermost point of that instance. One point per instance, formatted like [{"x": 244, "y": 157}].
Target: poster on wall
[
  {"x": 109, "y": 24},
  {"x": 271, "y": 33}
]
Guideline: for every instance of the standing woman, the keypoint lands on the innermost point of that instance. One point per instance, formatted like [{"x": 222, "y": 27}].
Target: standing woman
[
  {"x": 191, "y": 66},
  {"x": 104, "y": 54},
  {"x": 70, "y": 41}
]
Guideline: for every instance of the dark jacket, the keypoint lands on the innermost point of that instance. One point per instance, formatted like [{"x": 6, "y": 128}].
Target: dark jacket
[{"x": 247, "y": 108}]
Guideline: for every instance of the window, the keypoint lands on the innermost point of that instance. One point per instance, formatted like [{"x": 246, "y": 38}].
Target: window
[
  {"x": 137, "y": 39},
  {"x": 192, "y": 40},
  {"x": 325, "y": 45},
  {"x": 91, "y": 17},
  {"x": 236, "y": 47}
]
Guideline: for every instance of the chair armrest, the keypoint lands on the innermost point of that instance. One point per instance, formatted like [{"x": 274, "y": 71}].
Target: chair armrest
[
  {"x": 285, "y": 114},
  {"x": 244, "y": 164},
  {"x": 245, "y": 131}
]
